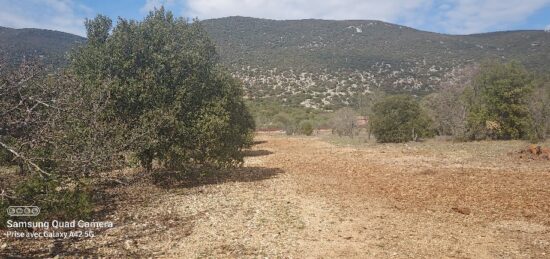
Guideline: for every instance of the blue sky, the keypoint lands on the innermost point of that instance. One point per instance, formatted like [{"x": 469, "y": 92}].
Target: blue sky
[{"x": 444, "y": 16}]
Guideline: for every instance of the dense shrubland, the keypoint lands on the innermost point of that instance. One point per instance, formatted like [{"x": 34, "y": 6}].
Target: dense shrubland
[
  {"x": 270, "y": 115},
  {"x": 51, "y": 130},
  {"x": 149, "y": 90},
  {"x": 492, "y": 101},
  {"x": 316, "y": 62}
]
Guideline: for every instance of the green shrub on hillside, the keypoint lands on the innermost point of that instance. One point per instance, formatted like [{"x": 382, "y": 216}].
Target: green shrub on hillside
[
  {"x": 306, "y": 128},
  {"x": 499, "y": 102},
  {"x": 399, "y": 118}
]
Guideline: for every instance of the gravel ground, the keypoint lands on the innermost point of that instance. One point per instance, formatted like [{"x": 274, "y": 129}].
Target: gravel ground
[{"x": 302, "y": 197}]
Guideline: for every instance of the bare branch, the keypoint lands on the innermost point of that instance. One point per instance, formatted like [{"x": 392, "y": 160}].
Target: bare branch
[
  {"x": 4, "y": 194},
  {"x": 45, "y": 104},
  {"x": 15, "y": 153}
]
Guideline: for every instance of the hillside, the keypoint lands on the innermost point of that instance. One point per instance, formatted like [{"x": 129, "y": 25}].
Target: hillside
[
  {"x": 325, "y": 64},
  {"x": 49, "y": 46},
  {"x": 318, "y": 62}
]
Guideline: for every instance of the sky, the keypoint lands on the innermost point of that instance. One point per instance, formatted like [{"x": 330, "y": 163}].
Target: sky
[{"x": 443, "y": 16}]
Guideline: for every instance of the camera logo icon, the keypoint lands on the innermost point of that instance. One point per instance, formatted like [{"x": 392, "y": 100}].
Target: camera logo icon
[{"x": 23, "y": 211}]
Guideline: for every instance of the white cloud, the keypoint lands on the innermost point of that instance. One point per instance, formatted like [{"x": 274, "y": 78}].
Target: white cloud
[
  {"x": 452, "y": 16},
  {"x": 150, "y": 5},
  {"x": 471, "y": 16},
  {"x": 387, "y": 10},
  {"x": 61, "y": 15}
]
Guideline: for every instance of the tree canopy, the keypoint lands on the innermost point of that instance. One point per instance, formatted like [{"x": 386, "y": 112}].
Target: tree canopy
[
  {"x": 399, "y": 118},
  {"x": 499, "y": 102},
  {"x": 164, "y": 82}
]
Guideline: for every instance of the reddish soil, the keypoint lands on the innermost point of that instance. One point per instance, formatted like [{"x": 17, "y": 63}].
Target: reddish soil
[{"x": 305, "y": 197}]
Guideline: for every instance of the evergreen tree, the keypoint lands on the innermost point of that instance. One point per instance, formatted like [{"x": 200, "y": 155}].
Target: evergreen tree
[
  {"x": 499, "y": 102},
  {"x": 399, "y": 118},
  {"x": 165, "y": 85}
]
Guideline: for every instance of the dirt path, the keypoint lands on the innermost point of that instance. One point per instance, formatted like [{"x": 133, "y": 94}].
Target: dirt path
[{"x": 303, "y": 197}]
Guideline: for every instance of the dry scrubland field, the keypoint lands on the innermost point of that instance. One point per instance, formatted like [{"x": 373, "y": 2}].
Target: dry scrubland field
[{"x": 318, "y": 197}]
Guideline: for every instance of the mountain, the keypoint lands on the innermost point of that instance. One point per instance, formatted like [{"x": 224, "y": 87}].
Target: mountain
[
  {"x": 49, "y": 46},
  {"x": 318, "y": 63}
]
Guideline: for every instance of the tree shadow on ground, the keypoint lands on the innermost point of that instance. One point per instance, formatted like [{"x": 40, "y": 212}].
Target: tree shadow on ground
[
  {"x": 109, "y": 194},
  {"x": 186, "y": 225},
  {"x": 258, "y": 142},
  {"x": 137, "y": 188},
  {"x": 252, "y": 153},
  {"x": 201, "y": 177}
]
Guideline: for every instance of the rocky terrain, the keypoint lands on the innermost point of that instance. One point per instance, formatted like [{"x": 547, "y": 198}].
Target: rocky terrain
[
  {"x": 321, "y": 63},
  {"x": 317, "y": 63}
]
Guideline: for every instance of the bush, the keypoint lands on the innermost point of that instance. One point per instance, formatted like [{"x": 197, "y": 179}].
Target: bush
[
  {"x": 53, "y": 125},
  {"x": 68, "y": 139},
  {"x": 55, "y": 200},
  {"x": 306, "y": 128},
  {"x": 539, "y": 108},
  {"x": 447, "y": 107},
  {"x": 270, "y": 113},
  {"x": 343, "y": 122},
  {"x": 499, "y": 102},
  {"x": 284, "y": 121},
  {"x": 399, "y": 118},
  {"x": 166, "y": 89},
  {"x": 148, "y": 89}
]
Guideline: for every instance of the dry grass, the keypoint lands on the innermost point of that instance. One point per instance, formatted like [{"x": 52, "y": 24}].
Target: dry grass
[{"x": 309, "y": 197}]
